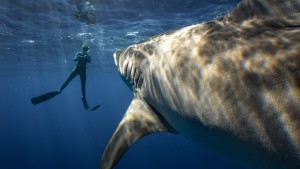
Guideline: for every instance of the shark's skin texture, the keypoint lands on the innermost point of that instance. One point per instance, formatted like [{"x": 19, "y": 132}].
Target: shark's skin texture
[{"x": 232, "y": 85}]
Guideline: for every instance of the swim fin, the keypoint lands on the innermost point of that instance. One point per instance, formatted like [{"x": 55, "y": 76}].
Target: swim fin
[
  {"x": 94, "y": 108},
  {"x": 44, "y": 97},
  {"x": 86, "y": 106}
]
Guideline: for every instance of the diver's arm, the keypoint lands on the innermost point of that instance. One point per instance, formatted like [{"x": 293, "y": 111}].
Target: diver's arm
[{"x": 76, "y": 57}]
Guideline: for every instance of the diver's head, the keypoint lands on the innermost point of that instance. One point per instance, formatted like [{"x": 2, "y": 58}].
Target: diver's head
[{"x": 85, "y": 47}]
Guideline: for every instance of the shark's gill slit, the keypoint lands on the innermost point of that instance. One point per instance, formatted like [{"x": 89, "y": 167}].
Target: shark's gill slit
[
  {"x": 125, "y": 69},
  {"x": 136, "y": 77},
  {"x": 140, "y": 81},
  {"x": 132, "y": 75},
  {"x": 128, "y": 70}
]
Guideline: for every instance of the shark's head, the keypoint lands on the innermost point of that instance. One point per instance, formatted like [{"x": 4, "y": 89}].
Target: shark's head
[
  {"x": 134, "y": 64},
  {"x": 130, "y": 62}
]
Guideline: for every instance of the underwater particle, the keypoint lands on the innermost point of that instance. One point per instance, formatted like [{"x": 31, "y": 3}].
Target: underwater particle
[
  {"x": 28, "y": 41},
  {"x": 131, "y": 33}
]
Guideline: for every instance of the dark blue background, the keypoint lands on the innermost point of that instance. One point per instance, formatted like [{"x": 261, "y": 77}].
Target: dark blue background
[{"x": 38, "y": 41}]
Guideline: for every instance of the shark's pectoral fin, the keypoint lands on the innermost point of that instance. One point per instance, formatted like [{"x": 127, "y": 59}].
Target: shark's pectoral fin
[{"x": 139, "y": 120}]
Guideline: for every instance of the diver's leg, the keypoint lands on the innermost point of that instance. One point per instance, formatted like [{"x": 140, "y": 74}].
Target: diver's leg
[
  {"x": 82, "y": 75},
  {"x": 83, "y": 81},
  {"x": 71, "y": 76}
]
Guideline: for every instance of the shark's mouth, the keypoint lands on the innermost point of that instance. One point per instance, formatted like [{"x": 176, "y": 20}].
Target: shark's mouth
[{"x": 130, "y": 73}]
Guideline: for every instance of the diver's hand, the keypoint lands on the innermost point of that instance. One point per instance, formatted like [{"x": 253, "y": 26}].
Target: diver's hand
[{"x": 84, "y": 56}]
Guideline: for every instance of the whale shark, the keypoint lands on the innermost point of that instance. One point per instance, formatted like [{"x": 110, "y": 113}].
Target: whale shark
[{"x": 231, "y": 85}]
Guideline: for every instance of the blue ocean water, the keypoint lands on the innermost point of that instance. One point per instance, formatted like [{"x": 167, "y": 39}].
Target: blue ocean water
[{"x": 38, "y": 42}]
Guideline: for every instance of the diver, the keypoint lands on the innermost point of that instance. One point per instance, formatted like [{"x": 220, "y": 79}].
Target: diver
[{"x": 82, "y": 58}]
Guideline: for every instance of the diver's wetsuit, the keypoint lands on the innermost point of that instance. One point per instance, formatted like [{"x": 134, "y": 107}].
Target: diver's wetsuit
[{"x": 80, "y": 68}]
